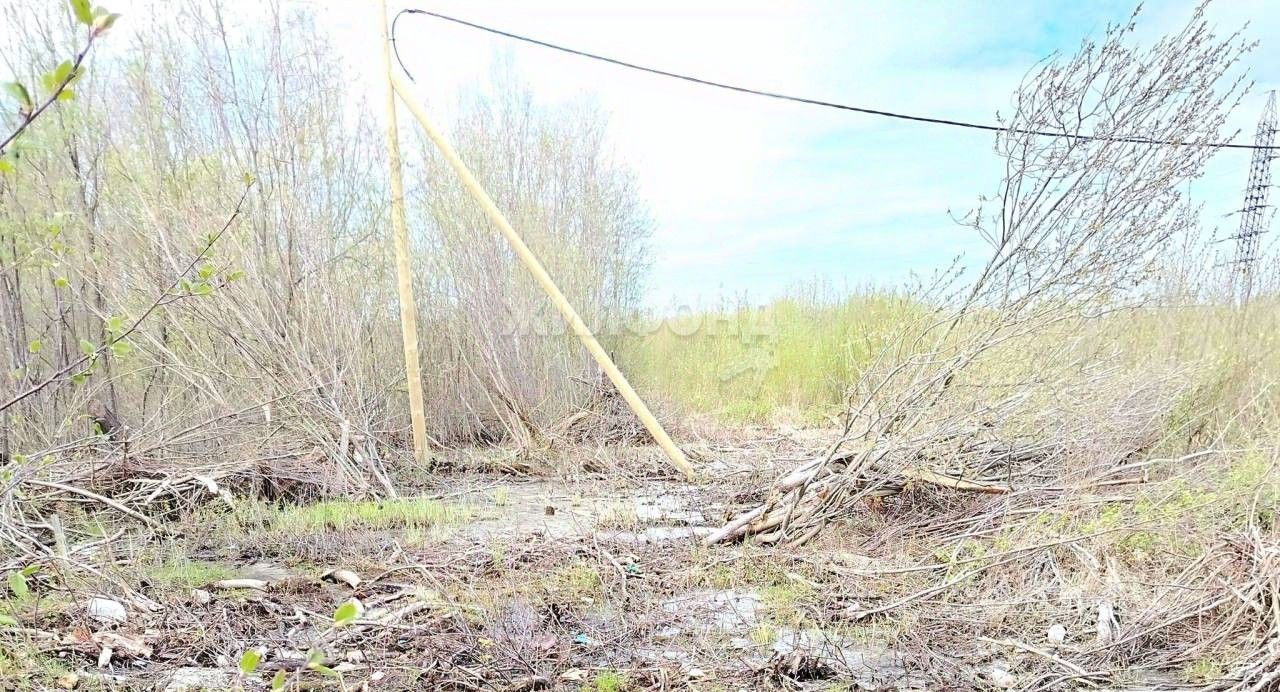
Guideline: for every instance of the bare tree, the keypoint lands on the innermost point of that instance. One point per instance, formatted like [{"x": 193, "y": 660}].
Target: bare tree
[
  {"x": 274, "y": 374},
  {"x": 551, "y": 171}
]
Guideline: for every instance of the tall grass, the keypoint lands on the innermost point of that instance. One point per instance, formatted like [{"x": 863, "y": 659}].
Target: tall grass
[{"x": 793, "y": 359}]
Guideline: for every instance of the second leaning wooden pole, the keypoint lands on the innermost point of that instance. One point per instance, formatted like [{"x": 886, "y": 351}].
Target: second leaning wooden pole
[
  {"x": 404, "y": 274},
  {"x": 530, "y": 261}
]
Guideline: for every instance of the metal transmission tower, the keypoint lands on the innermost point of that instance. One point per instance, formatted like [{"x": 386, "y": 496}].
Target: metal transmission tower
[{"x": 1254, "y": 217}]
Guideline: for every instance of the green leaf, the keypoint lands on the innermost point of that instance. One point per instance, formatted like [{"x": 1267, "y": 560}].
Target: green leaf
[
  {"x": 62, "y": 72},
  {"x": 277, "y": 682},
  {"x": 19, "y": 93},
  {"x": 66, "y": 95},
  {"x": 247, "y": 177},
  {"x": 8, "y": 621},
  {"x": 344, "y": 614},
  {"x": 18, "y": 584},
  {"x": 103, "y": 19},
  {"x": 79, "y": 378},
  {"x": 121, "y": 349},
  {"x": 30, "y": 570},
  {"x": 249, "y": 661},
  {"x": 60, "y": 282},
  {"x": 115, "y": 324},
  {"x": 55, "y": 78},
  {"x": 201, "y": 289},
  {"x": 234, "y": 275},
  {"x": 5, "y": 166},
  {"x": 206, "y": 270},
  {"x": 82, "y": 11},
  {"x": 314, "y": 658},
  {"x": 326, "y": 671},
  {"x": 35, "y": 346},
  {"x": 87, "y": 347}
]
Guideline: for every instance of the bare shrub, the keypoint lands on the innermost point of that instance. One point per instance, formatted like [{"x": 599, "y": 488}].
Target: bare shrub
[
  {"x": 280, "y": 373},
  {"x": 552, "y": 173},
  {"x": 1006, "y": 393},
  {"x": 1076, "y": 229}
]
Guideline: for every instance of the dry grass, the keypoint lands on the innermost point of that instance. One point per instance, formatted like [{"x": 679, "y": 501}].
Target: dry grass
[{"x": 1015, "y": 462}]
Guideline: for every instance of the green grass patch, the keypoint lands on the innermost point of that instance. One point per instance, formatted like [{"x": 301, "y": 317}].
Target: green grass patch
[
  {"x": 346, "y": 515},
  {"x": 785, "y": 602},
  {"x": 184, "y": 574},
  {"x": 608, "y": 681},
  {"x": 1203, "y": 670},
  {"x": 578, "y": 580},
  {"x": 618, "y": 515},
  {"x": 764, "y": 634},
  {"x": 26, "y": 669}
]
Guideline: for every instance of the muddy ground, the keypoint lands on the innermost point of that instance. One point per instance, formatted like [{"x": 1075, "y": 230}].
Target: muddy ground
[{"x": 585, "y": 570}]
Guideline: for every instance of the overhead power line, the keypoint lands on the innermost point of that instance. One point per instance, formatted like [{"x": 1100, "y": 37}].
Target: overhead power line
[{"x": 798, "y": 99}]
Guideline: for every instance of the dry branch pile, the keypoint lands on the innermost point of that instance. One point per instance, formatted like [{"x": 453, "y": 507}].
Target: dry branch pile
[{"x": 604, "y": 419}]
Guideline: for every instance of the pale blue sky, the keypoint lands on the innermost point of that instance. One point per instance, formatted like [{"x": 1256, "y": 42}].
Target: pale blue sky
[{"x": 753, "y": 196}]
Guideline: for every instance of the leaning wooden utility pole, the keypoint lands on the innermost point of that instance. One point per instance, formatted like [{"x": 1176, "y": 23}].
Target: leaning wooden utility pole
[
  {"x": 404, "y": 276},
  {"x": 544, "y": 280}
]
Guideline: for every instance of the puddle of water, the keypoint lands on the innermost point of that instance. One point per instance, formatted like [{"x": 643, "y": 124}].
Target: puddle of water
[
  {"x": 739, "y": 613},
  {"x": 560, "y": 510},
  {"x": 728, "y": 611},
  {"x": 655, "y": 535},
  {"x": 667, "y": 508}
]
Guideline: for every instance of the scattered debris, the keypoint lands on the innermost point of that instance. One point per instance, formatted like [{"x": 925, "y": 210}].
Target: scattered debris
[
  {"x": 106, "y": 611},
  {"x": 344, "y": 576},
  {"x": 799, "y": 666},
  {"x": 1001, "y": 677},
  {"x": 227, "y": 584},
  {"x": 125, "y": 645},
  {"x": 573, "y": 675},
  {"x": 1107, "y": 623}
]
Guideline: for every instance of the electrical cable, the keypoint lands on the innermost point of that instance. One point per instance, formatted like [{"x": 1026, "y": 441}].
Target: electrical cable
[{"x": 796, "y": 99}]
